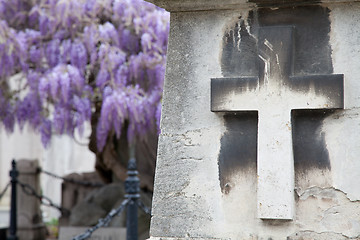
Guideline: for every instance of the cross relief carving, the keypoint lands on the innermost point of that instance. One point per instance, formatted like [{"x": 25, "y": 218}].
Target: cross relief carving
[{"x": 274, "y": 94}]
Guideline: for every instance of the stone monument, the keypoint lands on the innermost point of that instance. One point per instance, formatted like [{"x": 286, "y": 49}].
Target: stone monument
[
  {"x": 30, "y": 225},
  {"x": 260, "y": 121}
]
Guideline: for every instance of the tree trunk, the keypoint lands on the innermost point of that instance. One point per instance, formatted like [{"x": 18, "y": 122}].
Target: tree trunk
[{"x": 111, "y": 162}]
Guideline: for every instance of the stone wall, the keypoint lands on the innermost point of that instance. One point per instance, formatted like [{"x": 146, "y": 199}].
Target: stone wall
[{"x": 194, "y": 197}]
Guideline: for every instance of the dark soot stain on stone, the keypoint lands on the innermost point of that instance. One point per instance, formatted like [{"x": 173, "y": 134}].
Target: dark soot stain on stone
[
  {"x": 238, "y": 151},
  {"x": 312, "y": 48},
  {"x": 312, "y": 24},
  {"x": 239, "y": 56},
  {"x": 312, "y": 55},
  {"x": 309, "y": 144},
  {"x": 276, "y": 3}
]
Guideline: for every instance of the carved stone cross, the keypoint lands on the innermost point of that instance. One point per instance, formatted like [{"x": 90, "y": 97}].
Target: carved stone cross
[{"x": 274, "y": 94}]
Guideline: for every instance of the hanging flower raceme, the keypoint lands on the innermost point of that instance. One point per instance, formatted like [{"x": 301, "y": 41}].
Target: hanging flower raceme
[
  {"x": 13, "y": 48},
  {"x": 65, "y": 87},
  {"x": 76, "y": 58},
  {"x": 6, "y": 112}
]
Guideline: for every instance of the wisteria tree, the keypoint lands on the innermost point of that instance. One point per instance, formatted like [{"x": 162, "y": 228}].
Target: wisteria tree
[{"x": 67, "y": 62}]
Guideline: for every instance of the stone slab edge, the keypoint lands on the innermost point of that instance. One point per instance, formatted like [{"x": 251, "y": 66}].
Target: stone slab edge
[
  {"x": 186, "y": 238},
  {"x": 67, "y": 233},
  {"x": 206, "y": 5}
]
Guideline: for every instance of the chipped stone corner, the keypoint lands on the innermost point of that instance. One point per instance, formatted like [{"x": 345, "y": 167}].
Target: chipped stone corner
[{"x": 327, "y": 213}]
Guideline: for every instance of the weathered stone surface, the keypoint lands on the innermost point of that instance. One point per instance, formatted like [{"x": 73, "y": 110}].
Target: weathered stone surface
[
  {"x": 273, "y": 91},
  {"x": 188, "y": 5},
  {"x": 96, "y": 205},
  {"x": 30, "y": 225},
  {"x": 67, "y": 233},
  {"x": 307, "y": 235},
  {"x": 198, "y": 5},
  {"x": 180, "y": 200},
  {"x": 72, "y": 194},
  {"x": 346, "y": 44},
  {"x": 192, "y": 199},
  {"x": 188, "y": 238},
  {"x": 86, "y": 214}
]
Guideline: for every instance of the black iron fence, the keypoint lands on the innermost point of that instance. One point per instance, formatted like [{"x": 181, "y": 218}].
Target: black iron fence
[
  {"x": 2, "y": 193},
  {"x": 13, "y": 222},
  {"x": 131, "y": 202},
  {"x": 70, "y": 180}
]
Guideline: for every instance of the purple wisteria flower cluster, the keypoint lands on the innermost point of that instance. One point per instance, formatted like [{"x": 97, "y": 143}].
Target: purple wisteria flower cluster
[{"x": 62, "y": 61}]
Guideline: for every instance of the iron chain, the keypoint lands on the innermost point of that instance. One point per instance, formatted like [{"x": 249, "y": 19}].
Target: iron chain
[
  {"x": 28, "y": 190},
  {"x": 131, "y": 186},
  {"x": 4, "y": 191},
  {"x": 103, "y": 222},
  {"x": 142, "y": 206},
  {"x": 83, "y": 183}
]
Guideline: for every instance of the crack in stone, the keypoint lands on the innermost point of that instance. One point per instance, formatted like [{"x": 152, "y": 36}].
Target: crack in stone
[{"x": 191, "y": 158}]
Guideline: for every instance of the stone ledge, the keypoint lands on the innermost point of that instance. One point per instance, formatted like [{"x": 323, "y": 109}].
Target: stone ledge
[
  {"x": 199, "y": 5},
  {"x": 202, "y": 5}
]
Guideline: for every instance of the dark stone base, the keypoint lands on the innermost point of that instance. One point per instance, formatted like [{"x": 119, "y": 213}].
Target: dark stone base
[{"x": 37, "y": 232}]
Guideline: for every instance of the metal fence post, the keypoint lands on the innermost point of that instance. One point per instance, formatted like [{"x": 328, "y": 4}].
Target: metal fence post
[
  {"x": 13, "y": 221},
  {"x": 132, "y": 189}
]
